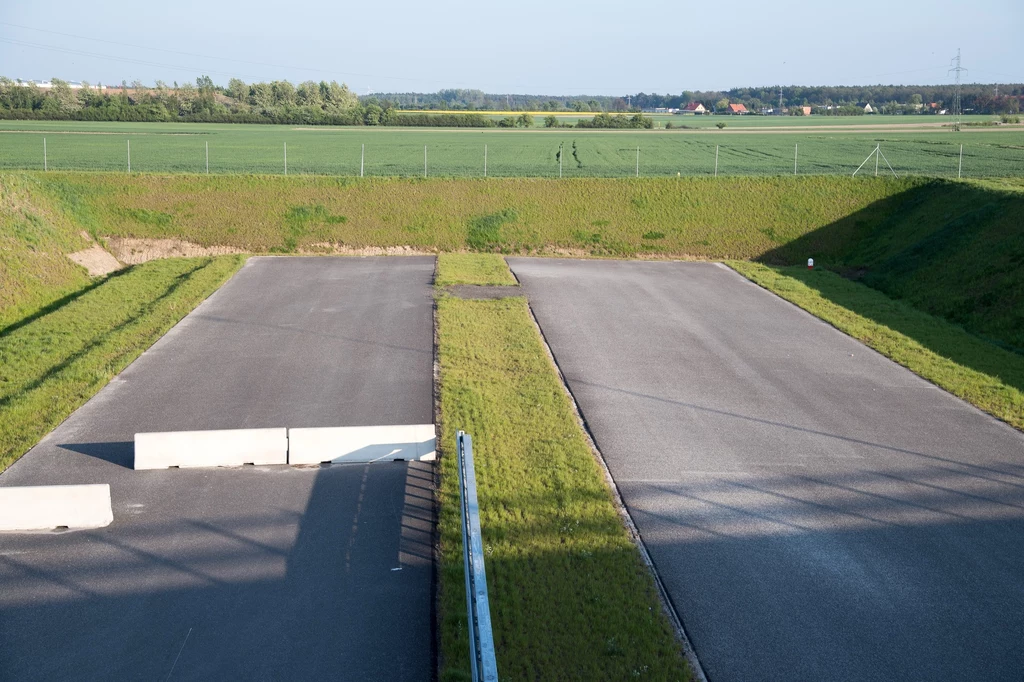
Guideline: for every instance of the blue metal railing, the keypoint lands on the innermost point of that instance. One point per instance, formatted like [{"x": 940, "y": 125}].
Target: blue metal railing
[{"x": 485, "y": 668}]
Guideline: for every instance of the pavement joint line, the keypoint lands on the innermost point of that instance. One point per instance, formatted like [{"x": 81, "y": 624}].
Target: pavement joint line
[{"x": 667, "y": 606}]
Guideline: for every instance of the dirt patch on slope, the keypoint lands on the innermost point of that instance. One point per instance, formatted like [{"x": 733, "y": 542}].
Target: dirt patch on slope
[
  {"x": 97, "y": 261},
  {"x": 132, "y": 251},
  {"x": 328, "y": 248}
]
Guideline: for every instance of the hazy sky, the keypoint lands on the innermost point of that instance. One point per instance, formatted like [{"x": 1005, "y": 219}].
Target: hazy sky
[{"x": 529, "y": 46}]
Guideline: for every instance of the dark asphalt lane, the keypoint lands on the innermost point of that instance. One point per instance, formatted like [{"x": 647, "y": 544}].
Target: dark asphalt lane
[
  {"x": 815, "y": 511},
  {"x": 252, "y": 572}
]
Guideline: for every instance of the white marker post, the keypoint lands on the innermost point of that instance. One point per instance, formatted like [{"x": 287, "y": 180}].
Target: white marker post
[
  {"x": 716, "y": 160},
  {"x": 960, "y": 166},
  {"x": 485, "y": 161},
  {"x": 207, "y": 157},
  {"x": 424, "y": 160},
  {"x": 638, "y": 161},
  {"x": 362, "y": 158},
  {"x": 129, "y": 157},
  {"x": 810, "y": 263},
  {"x": 796, "y": 149},
  {"x": 286, "y": 158},
  {"x": 44, "y": 153}
]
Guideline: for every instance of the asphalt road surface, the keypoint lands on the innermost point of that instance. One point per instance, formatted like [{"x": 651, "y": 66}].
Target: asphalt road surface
[
  {"x": 815, "y": 511},
  {"x": 252, "y": 573}
]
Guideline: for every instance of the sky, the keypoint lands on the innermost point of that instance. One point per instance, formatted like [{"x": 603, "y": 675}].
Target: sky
[{"x": 551, "y": 47}]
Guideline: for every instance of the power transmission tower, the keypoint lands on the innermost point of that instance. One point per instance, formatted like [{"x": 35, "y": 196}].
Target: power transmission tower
[
  {"x": 780, "y": 99},
  {"x": 956, "y": 94}
]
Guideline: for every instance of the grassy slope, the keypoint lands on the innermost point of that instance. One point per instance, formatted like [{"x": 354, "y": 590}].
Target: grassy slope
[
  {"x": 34, "y": 238},
  {"x": 703, "y": 218},
  {"x": 570, "y": 596},
  {"x": 966, "y": 366},
  {"x": 953, "y": 249},
  {"x": 473, "y": 268},
  {"x": 53, "y": 363}
]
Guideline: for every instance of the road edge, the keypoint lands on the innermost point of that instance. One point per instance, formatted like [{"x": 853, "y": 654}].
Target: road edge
[{"x": 668, "y": 607}]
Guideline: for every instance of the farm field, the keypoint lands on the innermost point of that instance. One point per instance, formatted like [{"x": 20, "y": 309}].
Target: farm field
[
  {"x": 741, "y": 149},
  {"x": 744, "y": 121}
]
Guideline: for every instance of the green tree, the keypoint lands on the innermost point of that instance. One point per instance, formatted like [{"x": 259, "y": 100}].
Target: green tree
[
  {"x": 205, "y": 84},
  {"x": 284, "y": 92},
  {"x": 722, "y": 105},
  {"x": 63, "y": 96},
  {"x": 308, "y": 94},
  {"x": 238, "y": 90},
  {"x": 525, "y": 120},
  {"x": 551, "y": 121},
  {"x": 338, "y": 96}
]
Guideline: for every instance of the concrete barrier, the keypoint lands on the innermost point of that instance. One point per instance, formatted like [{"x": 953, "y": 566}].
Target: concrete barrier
[
  {"x": 361, "y": 444},
  {"x": 233, "y": 447},
  {"x": 45, "y": 507}
]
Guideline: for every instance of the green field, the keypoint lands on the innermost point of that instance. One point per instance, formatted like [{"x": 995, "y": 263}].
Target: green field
[{"x": 747, "y": 147}]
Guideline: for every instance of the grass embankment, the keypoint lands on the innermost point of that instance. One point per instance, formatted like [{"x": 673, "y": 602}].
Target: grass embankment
[
  {"x": 672, "y": 217},
  {"x": 984, "y": 375},
  {"x": 482, "y": 269},
  {"x": 52, "y": 363},
  {"x": 34, "y": 240},
  {"x": 570, "y": 597},
  {"x": 952, "y": 249}
]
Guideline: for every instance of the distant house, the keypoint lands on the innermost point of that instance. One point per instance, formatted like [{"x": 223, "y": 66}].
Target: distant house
[
  {"x": 868, "y": 109},
  {"x": 693, "y": 108},
  {"x": 46, "y": 85},
  {"x": 737, "y": 109},
  {"x": 807, "y": 111}
]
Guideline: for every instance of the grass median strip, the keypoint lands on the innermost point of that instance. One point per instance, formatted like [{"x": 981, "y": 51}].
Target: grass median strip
[
  {"x": 483, "y": 269},
  {"x": 985, "y": 375},
  {"x": 53, "y": 364},
  {"x": 570, "y": 595}
]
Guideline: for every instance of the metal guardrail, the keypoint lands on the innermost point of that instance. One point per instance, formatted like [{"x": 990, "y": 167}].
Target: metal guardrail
[{"x": 483, "y": 663}]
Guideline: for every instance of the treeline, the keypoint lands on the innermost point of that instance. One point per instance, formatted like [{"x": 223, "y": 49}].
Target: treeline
[
  {"x": 331, "y": 103},
  {"x": 976, "y": 98},
  {"x": 309, "y": 103}
]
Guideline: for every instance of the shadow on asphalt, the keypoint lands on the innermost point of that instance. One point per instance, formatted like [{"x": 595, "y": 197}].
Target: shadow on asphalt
[
  {"x": 339, "y": 590},
  {"x": 121, "y": 453}
]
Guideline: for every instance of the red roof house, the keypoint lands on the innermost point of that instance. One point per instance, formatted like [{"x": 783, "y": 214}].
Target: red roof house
[{"x": 737, "y": 109}]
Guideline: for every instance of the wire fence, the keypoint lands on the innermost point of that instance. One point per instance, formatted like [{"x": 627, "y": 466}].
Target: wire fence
[{"x": 505, "y": 156}]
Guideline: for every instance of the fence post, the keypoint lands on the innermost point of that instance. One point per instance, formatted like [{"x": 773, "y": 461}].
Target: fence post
[
  {"x": 129, "y": 157},
  {"x": 960, "y": 166},
  {"x": 485, "y": 161},
  {"x": 424, "y": 160},
  {"x": 796, "y": 150},
  {"x": 44, "y": 153},
  {"x": 638, "y": 161},
  {"x": 207, "y": 157},
  {"x": 362, "y": 158},
  {"x": 286, "y": 158},
  {"x": 482, "y": 660},
  {"x": 716, "y": 160}
]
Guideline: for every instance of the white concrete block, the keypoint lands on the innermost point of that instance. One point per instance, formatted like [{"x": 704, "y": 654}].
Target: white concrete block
[
  {"x": 51, "y": 506},
  {"x": 362, "y": 444},
  {"x": 232, "y": 447}
]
